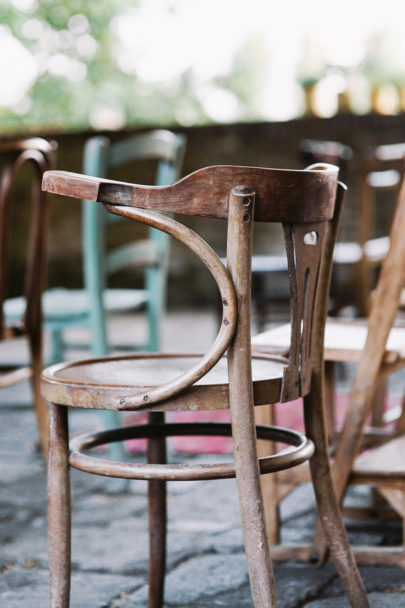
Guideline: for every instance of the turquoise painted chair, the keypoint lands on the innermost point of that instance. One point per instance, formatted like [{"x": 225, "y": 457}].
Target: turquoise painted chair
[{"x": 90, "y": 305}]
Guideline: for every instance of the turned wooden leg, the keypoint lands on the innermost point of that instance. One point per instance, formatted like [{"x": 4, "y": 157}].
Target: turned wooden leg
[
  {"x": 269, "y": 483},
  {"x": 157, "y": 518},
  {"x": 59, "y": 507},
  {"x": 41, "y": 407},
  {"x": 328, "y": 507},
  {"x": 240, "y": 226},
  {"x": 252, "y": 514}
]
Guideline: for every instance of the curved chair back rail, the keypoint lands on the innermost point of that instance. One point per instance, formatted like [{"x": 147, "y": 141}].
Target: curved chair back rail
[
  {"x": 8, "y": 178},
  {"x": 224, "y": 283},
  {"x": 281, "y": 195},
  {"x": 40, "y": 155},
  {"x": 41, "y": 158}
]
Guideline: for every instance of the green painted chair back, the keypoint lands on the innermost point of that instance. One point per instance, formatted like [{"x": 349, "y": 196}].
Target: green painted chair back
[
  {"x": 100, "y": 157},
  {"x": 88, "y": 306}
]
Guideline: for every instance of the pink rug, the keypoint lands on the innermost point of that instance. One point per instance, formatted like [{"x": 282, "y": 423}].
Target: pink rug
[{"x": 289, "y": 415}]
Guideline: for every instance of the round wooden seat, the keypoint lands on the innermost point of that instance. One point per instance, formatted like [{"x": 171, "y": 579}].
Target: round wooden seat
[{"x": 100, "y": 383}]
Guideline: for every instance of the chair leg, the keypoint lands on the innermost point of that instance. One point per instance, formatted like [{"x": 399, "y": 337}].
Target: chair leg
[
  {"x": 252, "y": 515},
  {"x": 59, "y": 507},
  {"x": 328, "y": 507},
  {"x": 157, "y": 518},
  {"x": 41, "y": 407}
]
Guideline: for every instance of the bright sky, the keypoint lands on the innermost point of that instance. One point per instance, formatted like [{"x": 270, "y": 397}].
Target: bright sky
[
  {"x": 205, "y": 34},
  {"x": 160, "y": 39}
]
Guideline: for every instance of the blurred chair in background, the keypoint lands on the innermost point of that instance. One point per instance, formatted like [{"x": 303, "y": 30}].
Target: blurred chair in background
[
  {"x": 90, "y": 305},
  {"x": 263, "y": 266},
  {"x": 381, "y": 169},
  {"x": 378, "y": 348},
  {"x": 40, "y": 156}
]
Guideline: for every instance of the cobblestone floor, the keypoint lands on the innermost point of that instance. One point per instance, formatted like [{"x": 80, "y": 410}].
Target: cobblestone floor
[{"x": 206, "y": 563}]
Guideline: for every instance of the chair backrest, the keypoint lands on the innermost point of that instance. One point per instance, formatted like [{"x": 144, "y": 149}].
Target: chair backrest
[
  {"x": 101, "y": 156},
  {"x": 41, "y": 155},
  {"x": 303, "y": 201},
  {"x": 321, "y": 151},
  {"x": 381, "y": 171}
]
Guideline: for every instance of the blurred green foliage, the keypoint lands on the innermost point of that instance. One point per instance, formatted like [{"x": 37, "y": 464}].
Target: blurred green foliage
[
  {"x": 78, "y": 82},
  {"x": 71, "y": 43}
]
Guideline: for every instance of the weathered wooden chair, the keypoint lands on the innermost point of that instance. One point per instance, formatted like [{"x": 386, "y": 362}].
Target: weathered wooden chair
[
  {"x": 307, "y": 203},
  {"x": 15, "y": 156},
  {"x": 377, "y": 345}
]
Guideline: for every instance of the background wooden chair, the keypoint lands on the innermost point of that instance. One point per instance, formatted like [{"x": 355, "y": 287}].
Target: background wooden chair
[
  {"x": 159, "y": 382},
  {"x": 88, "y": 307},
  {"x": 380, "y": 351},
  {"x": 357, "y": 261},
  {"x": 266, "y": 267},
  {"x": 40, "y": 156},
  {"x": 378, "y": 348},
  {"x": 380, "y": 175}
]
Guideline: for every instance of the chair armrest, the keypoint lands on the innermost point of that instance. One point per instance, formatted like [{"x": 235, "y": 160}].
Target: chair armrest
[
  {"x": 76, "y": 185},
  {"x": 311, "y": 199}
]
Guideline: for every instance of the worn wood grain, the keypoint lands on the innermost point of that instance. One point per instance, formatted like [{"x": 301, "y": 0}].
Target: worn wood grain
[{"x": 282, "y": 195}]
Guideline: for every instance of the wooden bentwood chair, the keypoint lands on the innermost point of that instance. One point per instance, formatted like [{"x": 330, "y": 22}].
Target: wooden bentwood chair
[
  {"x": 15, "y": 156},
  {"x": 304, "y": 202}
]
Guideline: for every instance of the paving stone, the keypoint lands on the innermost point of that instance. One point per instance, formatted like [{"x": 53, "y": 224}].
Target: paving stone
[
  {"x": 382, "y": 578},
  {"x": 206, "y": 563},
  {"x": 12, "y": 470},
  {"x": 298, "y": 502},
  {"x": 29, "y": 588},
  {"x": 376, "y": 578},
  {"x": 99, "y": 507},
  {"x": 297, "y": 582},
  {"x": 377, "y": 600},
  {"x": 199, "y": 583},
  {"x": 201, "y": 577},
  {"x": 29, "y": 492},
  {"x": 123, "y": 545}
]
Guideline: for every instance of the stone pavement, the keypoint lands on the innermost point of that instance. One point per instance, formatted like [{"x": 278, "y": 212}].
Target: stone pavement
[{"x": 206, "y": 563}]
